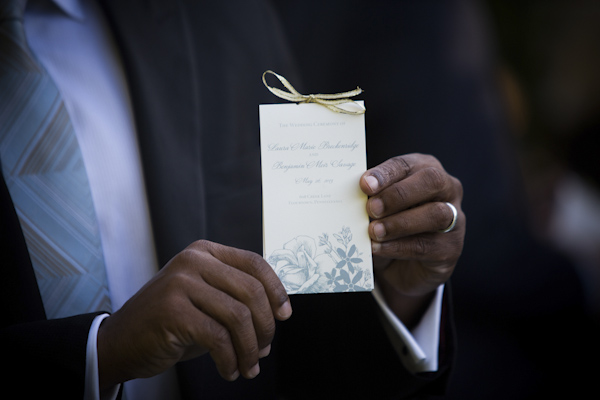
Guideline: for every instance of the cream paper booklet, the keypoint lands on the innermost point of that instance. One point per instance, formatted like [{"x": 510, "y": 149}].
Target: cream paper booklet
[{"x": 315, "y": 224}]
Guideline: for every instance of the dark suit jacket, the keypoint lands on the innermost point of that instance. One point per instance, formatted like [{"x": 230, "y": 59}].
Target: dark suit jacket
[{"x": 194, "y": 71}]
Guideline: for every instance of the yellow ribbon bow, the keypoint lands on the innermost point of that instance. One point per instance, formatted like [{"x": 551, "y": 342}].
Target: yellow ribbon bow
[{"x": 331, "y": 101}]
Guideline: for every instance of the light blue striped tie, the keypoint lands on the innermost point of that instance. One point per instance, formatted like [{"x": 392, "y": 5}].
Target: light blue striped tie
[{"x": 44, "y": 171}]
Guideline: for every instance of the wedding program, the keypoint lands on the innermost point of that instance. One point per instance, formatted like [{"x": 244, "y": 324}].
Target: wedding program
[{"x": 314, "y": 214}]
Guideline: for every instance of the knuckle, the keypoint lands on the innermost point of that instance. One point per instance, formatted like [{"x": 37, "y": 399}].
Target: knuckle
[
  {"x": 239, "y": 315},
  {"x": 177, "y": 280},
  {"x": 432, "y": 160},
  {"x": 402, "y": 194},
  {"x": 398, "y": 225},
  {"x": 400, "y": 163},
  {"x": 440, "y": 214},
  {"x": 420, "y": 247},
  {"x": 446, "y": 267},
  {"x": 391, "y": 170},
  {"x": 219, "y": 337},
  {"x": 178, "y": 268},
  {"x": 447, "y": 254},
  {"x": 174, "y": 295},
  {"x": 184, "y": 257},
  {"x": 435, "y": 178},
  {"x": 265, "y": 280},
  {"x": 256, "y": 262},
  {"x": 202, "y": 245},
  {"x": 186, "y": 263},
  {"x": 254, "y": 289}
]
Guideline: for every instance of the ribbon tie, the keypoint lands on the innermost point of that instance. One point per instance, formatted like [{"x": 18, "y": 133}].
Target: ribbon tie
[{"x": 331, "y": 101}]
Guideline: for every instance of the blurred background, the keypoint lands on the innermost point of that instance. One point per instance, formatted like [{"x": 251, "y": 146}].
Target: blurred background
[
  {"x": 507, "y": 95},
  {"x": 550, "y": 76}
]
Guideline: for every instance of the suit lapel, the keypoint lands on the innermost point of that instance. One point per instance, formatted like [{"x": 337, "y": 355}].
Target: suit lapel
[
  {"x": 154, "y": 48},
  {"x": 199, "y": 138}
]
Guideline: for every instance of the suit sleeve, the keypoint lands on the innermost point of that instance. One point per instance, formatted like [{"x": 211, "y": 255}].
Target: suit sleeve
[
  {"x": 352, "y": 357},
  {"x": 41, "y": 357},
  {"x": 46, "y": 357}
]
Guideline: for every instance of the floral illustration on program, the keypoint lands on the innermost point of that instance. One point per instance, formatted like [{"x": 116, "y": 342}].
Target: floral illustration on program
[{"x": 307, "y": 266}]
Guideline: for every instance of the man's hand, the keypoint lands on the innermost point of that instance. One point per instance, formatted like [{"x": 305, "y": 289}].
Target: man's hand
[
  {"x": 208, "y": 298},
  {"x": 407, "y": 205}
]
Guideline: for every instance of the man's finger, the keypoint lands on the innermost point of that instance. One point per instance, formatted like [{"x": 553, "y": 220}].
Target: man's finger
[
  {"x": 254, "y": 265},
  {"x": 425, "y": 185},
  {"x": 209, "y": 334},
  {"x": 248, "y": 291},
  {"x": 429, "y": 217},
  {"x": 236, "y": 317},
  {"x": 393, "y": 170},
  {"x": 426, "y": 248}
]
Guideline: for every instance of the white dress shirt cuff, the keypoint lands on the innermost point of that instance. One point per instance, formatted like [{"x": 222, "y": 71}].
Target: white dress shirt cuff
[
  {"x": 420, "y": 347},
  {"x": 92, "y": 387}
]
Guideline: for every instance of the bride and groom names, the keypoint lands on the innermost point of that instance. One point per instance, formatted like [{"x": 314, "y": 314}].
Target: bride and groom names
[{"x": 314, "y": 150}]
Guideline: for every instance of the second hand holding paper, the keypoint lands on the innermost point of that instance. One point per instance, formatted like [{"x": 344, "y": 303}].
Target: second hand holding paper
[{"x": 314, "y": 217}]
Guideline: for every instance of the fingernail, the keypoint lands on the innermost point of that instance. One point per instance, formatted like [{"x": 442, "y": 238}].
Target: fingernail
[
  {"x": 376, "y": 207},
  {"x": 379, "y": 231},
  {"x": 264, "y": 352},
  {"x": 372, "y": 183},
  {"x": 254, "y": 371},
  {"x": 285, "y": 311}
]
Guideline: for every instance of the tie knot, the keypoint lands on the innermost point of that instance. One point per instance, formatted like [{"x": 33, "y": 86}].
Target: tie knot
[
  {"x": 15, "y": 55},
  {"x": 11, "y": 9}
]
